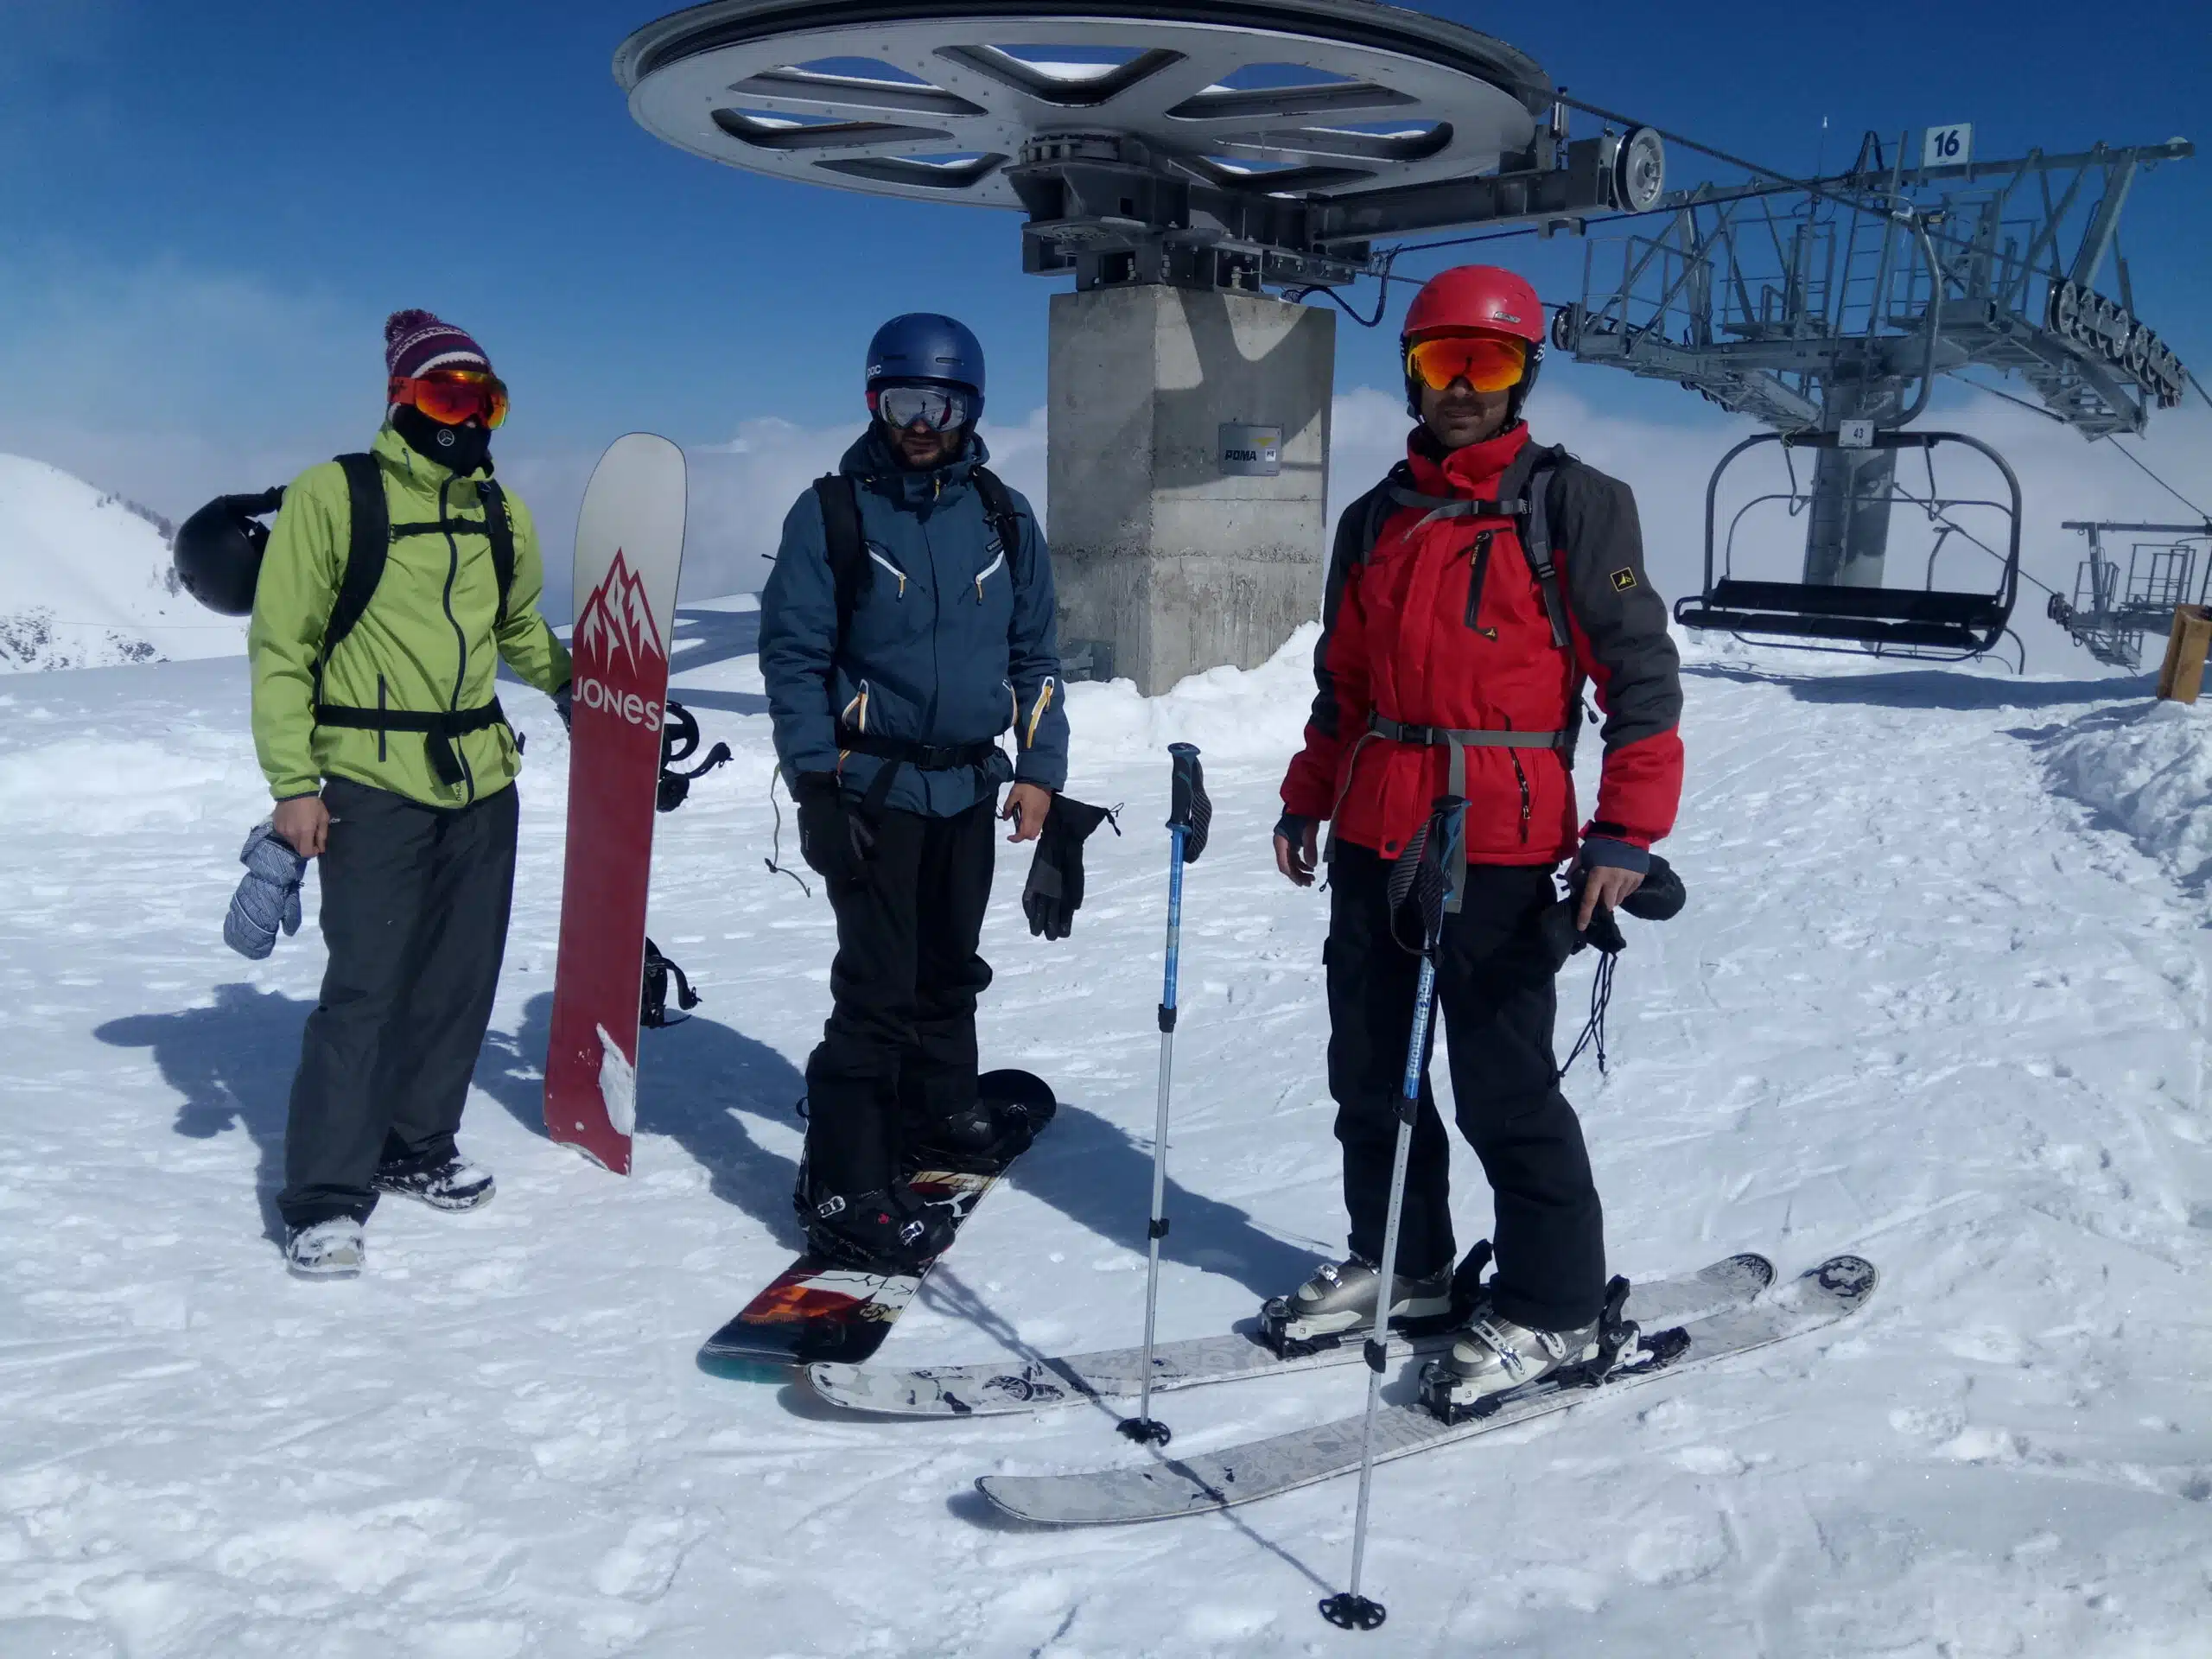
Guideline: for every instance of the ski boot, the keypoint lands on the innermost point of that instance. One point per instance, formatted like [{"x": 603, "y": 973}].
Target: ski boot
[
  {"x": 325, "y": 1249},
  {"x": 887, "y": 1231},
  {"x": 1338, "y": 1301},
  {"x": 444, "y": 1181},
  {"x": 1495, "y": 1359}
]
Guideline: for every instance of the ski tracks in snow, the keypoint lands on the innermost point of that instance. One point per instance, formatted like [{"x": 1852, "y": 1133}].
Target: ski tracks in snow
[{"x": 1918, "y": 1005}]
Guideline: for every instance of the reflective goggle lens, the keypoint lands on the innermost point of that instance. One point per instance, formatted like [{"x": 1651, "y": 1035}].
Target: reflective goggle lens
[
  {"x": 450, "y": 397},
  {"x": 1486, "y": 362},
  {"x": 938, "y": 408}
]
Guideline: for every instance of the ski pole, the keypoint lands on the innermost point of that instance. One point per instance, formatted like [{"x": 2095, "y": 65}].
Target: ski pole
[
  {"x": 1424, "y": 872},
  {"x": 1189, "y": 814}
]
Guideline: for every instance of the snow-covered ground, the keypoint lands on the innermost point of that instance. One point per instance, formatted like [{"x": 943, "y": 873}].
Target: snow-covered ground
[
  {"x": 1923, "y": 1005},
  {"x": 85, "y": 580}
]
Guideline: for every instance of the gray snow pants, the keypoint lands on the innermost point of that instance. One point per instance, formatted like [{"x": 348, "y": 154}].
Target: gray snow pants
[{"x": 415, "y": 903}]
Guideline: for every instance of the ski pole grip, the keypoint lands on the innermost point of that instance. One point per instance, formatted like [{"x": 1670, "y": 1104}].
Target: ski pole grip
[{"x": 1189, "y": 812}]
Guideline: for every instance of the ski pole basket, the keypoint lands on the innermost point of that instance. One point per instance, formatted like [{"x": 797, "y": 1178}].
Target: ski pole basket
[{"x": 1841, "y": 604}]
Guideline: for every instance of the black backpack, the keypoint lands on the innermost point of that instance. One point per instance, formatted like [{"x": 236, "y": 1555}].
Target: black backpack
[
  {"x": 850, "y": 565},
  {"x": 220, "y": 547},
  {"x": 1531, "y": 512},
  {"x": 373, "y": 533}
]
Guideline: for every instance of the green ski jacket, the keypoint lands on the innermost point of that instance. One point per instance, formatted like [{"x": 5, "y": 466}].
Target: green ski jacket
[{"x": 429, "y": 642}]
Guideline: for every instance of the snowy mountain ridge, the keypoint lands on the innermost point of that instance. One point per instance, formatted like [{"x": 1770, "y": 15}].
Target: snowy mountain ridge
[{"x": 85, "y": 579}]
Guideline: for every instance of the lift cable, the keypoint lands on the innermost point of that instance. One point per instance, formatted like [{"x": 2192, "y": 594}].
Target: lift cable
[
  {"x": 1936, "y": 516},
  {"x": 2113, "y": 438}
]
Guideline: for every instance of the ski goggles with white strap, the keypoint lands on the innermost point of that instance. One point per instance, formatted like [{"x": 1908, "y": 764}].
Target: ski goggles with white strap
[{"x": 939, "y": 408}]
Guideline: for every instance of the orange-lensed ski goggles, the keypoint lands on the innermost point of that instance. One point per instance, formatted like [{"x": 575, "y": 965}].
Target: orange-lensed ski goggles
[
  {"x": 1486, "y": 362},
  {"x": 451, "y": 397}
]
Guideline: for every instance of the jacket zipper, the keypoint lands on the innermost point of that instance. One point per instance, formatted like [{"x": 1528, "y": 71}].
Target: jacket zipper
[
  {"x": 459, "y": 640},
  {"x": 989, "y": 569},
  {"x": 1521, "y": 777},
  {"x": 893, "y": 568},
  {"x": 1475, "y": 577},
  {"x": 1037, "y": 713}
]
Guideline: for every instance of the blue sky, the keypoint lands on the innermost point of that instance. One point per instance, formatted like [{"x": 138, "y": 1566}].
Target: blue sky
[{"x": 210, "y": 207}]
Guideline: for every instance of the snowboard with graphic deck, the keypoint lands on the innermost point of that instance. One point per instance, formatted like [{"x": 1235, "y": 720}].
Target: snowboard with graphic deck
[
  {"x": 1000, "y": 1386},
  {"x": 629, "y": 553},
  {"x": 819, "y": 1309},
  {"x": 1165, "y": 1487}
]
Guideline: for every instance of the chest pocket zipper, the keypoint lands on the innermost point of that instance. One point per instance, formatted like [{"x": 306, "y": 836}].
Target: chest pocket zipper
[
  {"x": 1475, "y": 578},
  {"x": 989, "y": 569},
  {"x": 891, "y": 568}
]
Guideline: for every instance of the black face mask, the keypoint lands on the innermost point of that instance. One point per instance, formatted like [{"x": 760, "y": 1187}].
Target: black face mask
[{"x": 464, "y": 448}]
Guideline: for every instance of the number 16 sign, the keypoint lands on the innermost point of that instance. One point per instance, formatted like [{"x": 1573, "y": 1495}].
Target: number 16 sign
[{"x": 1951, "y": 146}]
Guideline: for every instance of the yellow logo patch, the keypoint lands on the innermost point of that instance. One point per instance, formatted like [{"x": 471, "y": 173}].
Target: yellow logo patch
[{"x": 1624, "y": 579}]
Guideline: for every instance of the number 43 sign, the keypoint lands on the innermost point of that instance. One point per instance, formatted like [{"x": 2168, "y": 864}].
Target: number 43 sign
[{"x": 1951, "y": 146}]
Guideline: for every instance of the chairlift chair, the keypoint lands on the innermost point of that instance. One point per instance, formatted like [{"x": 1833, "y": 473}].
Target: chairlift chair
[{"x": 1941, "y": 624}]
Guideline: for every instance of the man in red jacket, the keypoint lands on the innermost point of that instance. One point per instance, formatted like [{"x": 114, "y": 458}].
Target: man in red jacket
[{"x": 1453, "y": 657}]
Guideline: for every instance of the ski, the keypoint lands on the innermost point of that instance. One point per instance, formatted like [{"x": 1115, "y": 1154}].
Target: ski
[
  {"x": 629, "y": 552},
  {"x": 998, "y": 1386},
  {"x": 817, "y": 1309},
  {"x": 1164, "y": 1488}
]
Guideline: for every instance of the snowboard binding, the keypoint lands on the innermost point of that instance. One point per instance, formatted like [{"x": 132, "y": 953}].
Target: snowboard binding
[
  {"x": 1007, "y": 1116},
  {"x": 679, "y": 740}
]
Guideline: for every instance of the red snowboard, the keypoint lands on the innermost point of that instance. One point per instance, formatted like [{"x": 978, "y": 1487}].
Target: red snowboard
[{"x": 629, "y": 550}]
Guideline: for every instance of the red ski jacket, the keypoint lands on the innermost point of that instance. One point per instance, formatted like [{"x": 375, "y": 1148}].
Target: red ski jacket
[{"x": 1442, "y": 623}]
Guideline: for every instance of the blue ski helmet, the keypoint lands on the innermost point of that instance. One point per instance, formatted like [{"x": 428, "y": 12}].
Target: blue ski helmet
[{"x": 926, "y": 345}]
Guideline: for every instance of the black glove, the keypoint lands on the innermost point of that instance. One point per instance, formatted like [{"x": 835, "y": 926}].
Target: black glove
[
  {"x": 1661, "y": 895},
  {"x": 1055, "y": 890},
  {"x": 1562, "y": 938},
  {"x": 564, "y": 704},
  {"x": 833, "y": 839}
]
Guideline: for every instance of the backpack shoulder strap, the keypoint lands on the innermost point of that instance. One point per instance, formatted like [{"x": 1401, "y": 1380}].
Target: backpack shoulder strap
[
  {"x": 999, "y": 508},
  {"x": 1534, "y": 522},
  {"x": 365, "y": 549},
  {"x": 1380, "y": 505},
  {"x": 499, "y": 530},
  {"x": 840, "y": 501}
]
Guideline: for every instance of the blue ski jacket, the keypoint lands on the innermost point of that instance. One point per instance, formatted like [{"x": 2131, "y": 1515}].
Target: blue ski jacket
[{"x": 953, "y": 640}]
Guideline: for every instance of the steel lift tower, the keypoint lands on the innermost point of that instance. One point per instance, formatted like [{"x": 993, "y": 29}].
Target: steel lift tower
[{"x": 1827, "y": 308}]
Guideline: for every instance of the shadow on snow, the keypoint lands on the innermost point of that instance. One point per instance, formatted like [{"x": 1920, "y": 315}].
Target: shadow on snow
[
  {"x": 232, "y": 1063},
  {"x": 1929, "y": 688}
]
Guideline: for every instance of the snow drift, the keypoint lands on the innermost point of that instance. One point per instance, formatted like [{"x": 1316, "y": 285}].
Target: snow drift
[
  {"x": 86, "y": 581},
  {"x": 2148, "y": 768}
]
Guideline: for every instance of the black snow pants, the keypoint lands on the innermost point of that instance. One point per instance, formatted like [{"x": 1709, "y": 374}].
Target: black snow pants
[
  {"x": 415, "y": 903},
  {"x": 1495, "y": 1001},
  {"x": 899, "y": 1050}
]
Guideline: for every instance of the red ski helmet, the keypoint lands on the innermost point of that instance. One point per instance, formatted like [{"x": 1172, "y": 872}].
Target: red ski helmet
[{"x": 1486, "y": 299}]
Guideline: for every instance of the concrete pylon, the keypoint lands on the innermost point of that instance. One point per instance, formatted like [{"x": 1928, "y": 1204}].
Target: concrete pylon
[{"x": 1187, "y": 460}]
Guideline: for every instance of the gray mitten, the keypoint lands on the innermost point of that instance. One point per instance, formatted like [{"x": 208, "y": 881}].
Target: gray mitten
[{"x": 269, "y": 896}]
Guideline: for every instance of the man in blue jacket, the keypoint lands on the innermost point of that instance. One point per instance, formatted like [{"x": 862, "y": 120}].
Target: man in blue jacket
[{"x": 908, "y": 626}]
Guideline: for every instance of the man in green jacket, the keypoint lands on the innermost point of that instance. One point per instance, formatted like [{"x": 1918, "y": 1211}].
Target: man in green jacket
[{"x": 391, "y": 761}]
